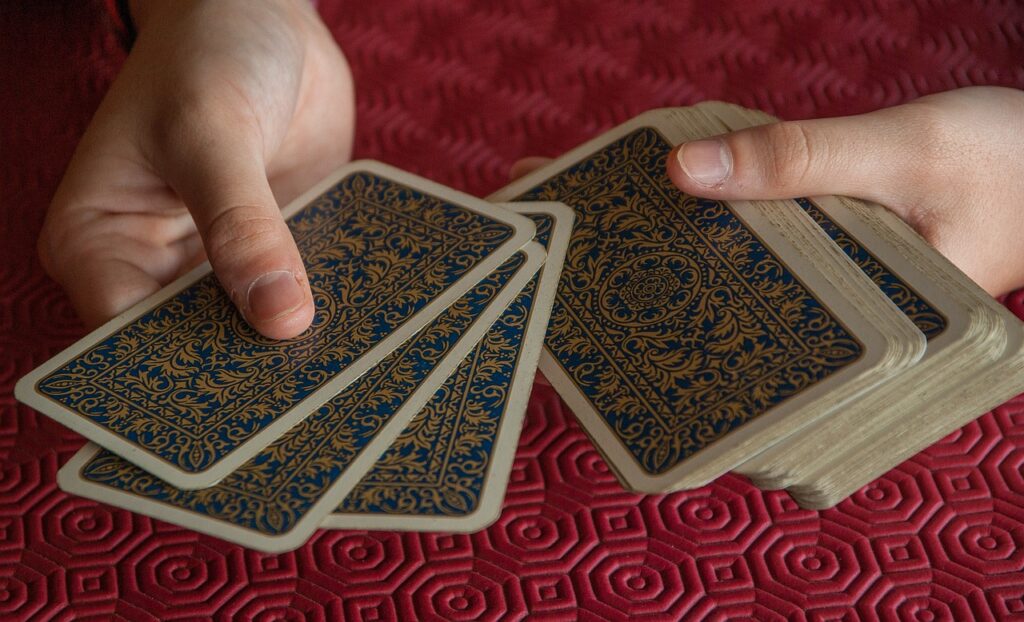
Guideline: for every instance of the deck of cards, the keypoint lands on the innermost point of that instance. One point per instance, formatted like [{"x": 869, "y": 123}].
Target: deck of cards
[{"x": 810, "y": 345}]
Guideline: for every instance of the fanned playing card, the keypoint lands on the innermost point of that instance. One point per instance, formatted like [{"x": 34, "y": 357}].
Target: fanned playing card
[
  {"x": 181, "y": 386},
  {"x": 688, "y": 333},
  {"x": 449, "y": 468},
  {"x": 274, "y": 501}
]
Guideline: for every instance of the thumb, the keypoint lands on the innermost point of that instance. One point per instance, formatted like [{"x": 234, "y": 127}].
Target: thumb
[
  {"x": 862, "y": 156},
  {"x": 222, "y": 179},
  {"x": 524, "y": 166}
]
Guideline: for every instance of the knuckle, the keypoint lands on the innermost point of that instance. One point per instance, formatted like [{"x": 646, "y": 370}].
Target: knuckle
[
  {"x": 175, "y": 128},
  {"x": 242, "y": 233},
  {"x": 927, "y": 131},
  {"x": 791, "y": 151},
  {"x": 185, "y": 123},
  {"x": 933, "y": 134}
]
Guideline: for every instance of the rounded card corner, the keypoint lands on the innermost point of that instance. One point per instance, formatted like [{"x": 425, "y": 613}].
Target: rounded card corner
[{"x": 26, "y": 388}]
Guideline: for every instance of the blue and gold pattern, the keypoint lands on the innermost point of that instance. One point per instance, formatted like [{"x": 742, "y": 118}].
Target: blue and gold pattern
[
  {"x": 439, "y": 464},
  {"x": 189, "y": 381},
  {"x": 672, "y": 317},
  {"x": 274, "y": 490},
  {"x": 927, "y": 319}
]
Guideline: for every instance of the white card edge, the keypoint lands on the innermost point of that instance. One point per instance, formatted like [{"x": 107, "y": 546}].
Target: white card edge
[
  {"x": 958, "y": 325},
  {"x": 963, "y": 320},
  {"x": 68, "y": 480},
  {"x": 24, "y": 391},
  {"x": 496, "y": 482},
  {"x": 631, "y": 474}
]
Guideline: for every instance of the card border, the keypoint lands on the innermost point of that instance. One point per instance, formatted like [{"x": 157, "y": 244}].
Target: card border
[
  {"x": 966, "y": 308},
  {"x": 69, "y": 477},
  {"x": 703, "y": 466},
  {"x": 496, "y": 480},
  {"x": 887, "y": 254},
  {"x": 25, "y": 390}
]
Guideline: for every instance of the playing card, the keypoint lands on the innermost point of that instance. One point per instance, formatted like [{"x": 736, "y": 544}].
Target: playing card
[
  {"x": 687, "y": 333},
  {"x": 277, "y": 499},
  {"x": 449, "y": 468},
  {"x": 972, "y": 359},
  {"x": 969, "y": 367},
  {"x": 180, "y": 384}
]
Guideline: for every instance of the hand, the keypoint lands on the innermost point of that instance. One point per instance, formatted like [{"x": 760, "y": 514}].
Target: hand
[
  {"x": 951, "y": 165},
  {"x": 223, "y": 111}
]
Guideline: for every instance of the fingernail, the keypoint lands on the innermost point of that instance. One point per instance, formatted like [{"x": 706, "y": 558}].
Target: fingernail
[
  {"x": 707, "y": 162},
  {"x": 273, "y": 295}
]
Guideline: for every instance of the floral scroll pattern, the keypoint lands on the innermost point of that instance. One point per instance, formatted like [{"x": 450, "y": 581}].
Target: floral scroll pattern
[
  {"x": 189, "y": 381},
  {"x": 927, "y": 319},
  {"x": 439, "y": 464},
  {"x": 271, "y": 492},
  {"x": 672, "y": 316}
]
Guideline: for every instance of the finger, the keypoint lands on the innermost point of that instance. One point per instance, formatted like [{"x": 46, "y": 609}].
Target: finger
[
  {"x": 865, "y": 156},
  {"x": 219, "y": 172},
  {"x": 100, "y": 288},
  {"x": 190, "y": 249},
  {"x": 94, "y": 256},
  {"x": 526, "y": 165}
]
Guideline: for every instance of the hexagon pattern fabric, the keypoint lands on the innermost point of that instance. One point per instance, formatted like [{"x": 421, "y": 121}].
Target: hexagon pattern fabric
[{"x": 456, "y": 91}]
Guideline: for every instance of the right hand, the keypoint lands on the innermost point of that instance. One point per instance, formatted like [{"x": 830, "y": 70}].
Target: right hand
[
  {"x": 224, "y": 110},
  {"x": 951, "y": 165}
]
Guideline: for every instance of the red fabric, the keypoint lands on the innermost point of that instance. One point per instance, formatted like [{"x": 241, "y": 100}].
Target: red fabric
[{"x": 457, "y": 92}]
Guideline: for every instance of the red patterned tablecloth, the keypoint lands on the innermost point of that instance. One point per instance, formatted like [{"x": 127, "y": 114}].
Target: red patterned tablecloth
[{"x": 457, "y": 91}]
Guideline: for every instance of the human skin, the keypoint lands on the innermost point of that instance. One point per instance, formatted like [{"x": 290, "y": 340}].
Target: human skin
[
  {"x": 224, "y": 111},
  {"x": 951, "y": 165},
  {"x": 227, "y": 109}
]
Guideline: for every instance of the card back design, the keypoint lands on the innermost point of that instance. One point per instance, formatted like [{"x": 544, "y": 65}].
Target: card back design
[
  {"x": 439, "y": 464},
  {"x": 926, "y": 317},
  {"x": 262, "y": 503},
  {"x": 672, "y": 317},
  {"x": 189, "y": 381}
]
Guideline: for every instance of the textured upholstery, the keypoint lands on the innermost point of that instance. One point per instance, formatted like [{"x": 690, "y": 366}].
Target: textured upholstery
[{"x": 456, "y": 91}]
